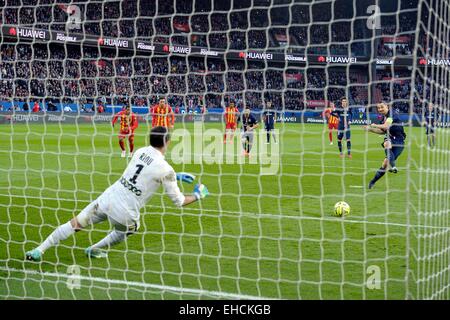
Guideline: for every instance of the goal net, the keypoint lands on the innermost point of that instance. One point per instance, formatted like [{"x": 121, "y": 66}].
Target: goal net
[
  {"x": 268, "y": 229},
  {"x": 429, "y": 246}
]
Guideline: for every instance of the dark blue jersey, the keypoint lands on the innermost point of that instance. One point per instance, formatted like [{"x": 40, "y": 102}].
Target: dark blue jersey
[
  {"x": 249, "y": 121},
  {"x": 269, "y": 118},
  {"x": 345, "y": 117},
  {"x": 395, "y": 132},
  {"x": 430, "y": 118}
]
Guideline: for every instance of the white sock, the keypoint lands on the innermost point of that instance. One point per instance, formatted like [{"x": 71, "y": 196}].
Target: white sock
[
  {"x": 114, "y": 237},
  {"x": 61, "y": 233}
]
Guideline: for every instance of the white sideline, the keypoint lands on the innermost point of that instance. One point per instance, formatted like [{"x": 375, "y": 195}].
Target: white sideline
[
  {"x": 266, "y": 215},
  {"x": 140, "y": 284}
]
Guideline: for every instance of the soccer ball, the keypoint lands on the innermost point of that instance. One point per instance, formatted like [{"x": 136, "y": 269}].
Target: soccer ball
[{"x": 341, "y": 209}]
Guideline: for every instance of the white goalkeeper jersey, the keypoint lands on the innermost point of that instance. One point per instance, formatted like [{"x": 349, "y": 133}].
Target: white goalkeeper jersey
[{"x": 145, "y": 173}]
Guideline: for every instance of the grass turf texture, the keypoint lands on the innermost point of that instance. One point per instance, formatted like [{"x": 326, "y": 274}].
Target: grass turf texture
[{"x": 270, "y": 236}]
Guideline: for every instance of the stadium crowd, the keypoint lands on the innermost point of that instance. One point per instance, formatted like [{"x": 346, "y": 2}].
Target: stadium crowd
[
  {"x": 84, "y": 75},
  {"x": 37, "y": 72},
  {"x": 58, "y": 75},
  {"x": 258, "y": 27}
]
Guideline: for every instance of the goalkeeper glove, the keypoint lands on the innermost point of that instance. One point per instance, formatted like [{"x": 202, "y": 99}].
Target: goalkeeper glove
[
  {"x": 185, "y": 177},
  {"x": 200, "y": 191}
]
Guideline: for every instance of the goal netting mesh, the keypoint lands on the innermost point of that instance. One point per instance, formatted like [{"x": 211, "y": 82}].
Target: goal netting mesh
[
  {"x": 429, "y": 246},
  {"x": 267, "y": 230}
]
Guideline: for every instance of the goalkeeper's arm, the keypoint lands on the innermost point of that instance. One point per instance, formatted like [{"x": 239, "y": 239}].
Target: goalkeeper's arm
[{"x": 178, "y": 198}]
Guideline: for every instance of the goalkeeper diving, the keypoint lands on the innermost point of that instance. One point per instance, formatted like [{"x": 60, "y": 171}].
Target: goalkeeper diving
[{"x": 122, "y": 201}]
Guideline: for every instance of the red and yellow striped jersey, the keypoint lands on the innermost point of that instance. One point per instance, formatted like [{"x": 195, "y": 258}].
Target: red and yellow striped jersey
[
  {"x": 128, "y": 122},
  {"x": 162, "y": 116},
  {"x": 331, "y": 119},
  {"x": 231, "y": 115}
]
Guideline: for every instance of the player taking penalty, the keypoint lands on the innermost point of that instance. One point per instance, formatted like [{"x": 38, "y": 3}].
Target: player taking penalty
[
  {"x": 332, "y": 120},
  {"x": 231, "y": 117},
  {"x": 394, "y": 140},
  {"x": 128, "y": 123},
  {"x": 121, "y": 203}
]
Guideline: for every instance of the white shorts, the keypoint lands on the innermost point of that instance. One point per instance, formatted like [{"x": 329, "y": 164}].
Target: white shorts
[
  {"x": 249, "y": 134},
  {"x": 94, "y": 213}
]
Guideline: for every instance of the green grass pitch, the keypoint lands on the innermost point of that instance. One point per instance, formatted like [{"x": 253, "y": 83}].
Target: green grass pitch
[{"x": 269, "y": 236}]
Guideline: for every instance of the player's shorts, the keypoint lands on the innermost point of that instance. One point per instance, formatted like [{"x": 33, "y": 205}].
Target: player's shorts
[
  {"x": 397, "y": 150},
  {"x": 269, "y": 127},
  {"x": 341, "y": 133},
  {"x": 333, "y": 126},
  {"x": 248, "y": 135},
  {"x": 397, "y": 147},
  {"x": 125, "y": 134},
  {"x": 430, "y": 130},
  {"x": 94, "y": 213},
  {"x": 231, "y": 126}
]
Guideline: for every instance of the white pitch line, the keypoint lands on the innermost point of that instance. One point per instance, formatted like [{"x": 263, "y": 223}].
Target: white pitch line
[
  {"x": 199, "y": 292},
  {"x": 357, "y": 187},
  {"x": 354, "y": 219}
]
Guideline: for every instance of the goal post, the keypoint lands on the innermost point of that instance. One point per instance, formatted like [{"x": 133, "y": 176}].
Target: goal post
[{"x": 429, "y": 243}]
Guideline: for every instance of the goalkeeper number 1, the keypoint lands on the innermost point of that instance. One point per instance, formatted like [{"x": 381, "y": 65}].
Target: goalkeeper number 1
[{"x": 122, "y": 201}]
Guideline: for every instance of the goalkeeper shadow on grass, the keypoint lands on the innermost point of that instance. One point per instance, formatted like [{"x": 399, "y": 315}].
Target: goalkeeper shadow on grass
[{"x": 121, "y": 202}]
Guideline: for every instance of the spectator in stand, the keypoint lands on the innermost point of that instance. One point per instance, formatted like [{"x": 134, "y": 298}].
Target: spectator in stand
[
  {"x": 100, "y": 109},
  {"x": 67, "y": 108},
  {"x": 36, "y": 107}
]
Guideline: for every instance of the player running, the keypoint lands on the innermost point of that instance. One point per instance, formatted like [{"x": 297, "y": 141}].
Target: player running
[
  {"x": 269, "y": 118},
  {"x": 345, "y": 118},
  {"x": 162, "y": 115},
  {"x": 249, "y": 124},
  {"x": 231, "y": 116},
  {"x": 394, "y": 140},
  {"x": 430, "y": 123},
  {"x": 332, "y": 120},
  {"x": 128, "y": 124},
  {"x": 121, "y": 202}
]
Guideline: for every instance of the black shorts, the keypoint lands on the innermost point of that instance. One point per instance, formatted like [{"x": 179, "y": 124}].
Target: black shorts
[
  {"x": 397, "y": 150},
  {"x": 341, "y": 133},
  {"x": 397, "y": 147},
  {"x": 269, "y": 127}
]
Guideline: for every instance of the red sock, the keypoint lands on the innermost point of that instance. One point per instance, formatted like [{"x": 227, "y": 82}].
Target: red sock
[
  {"x": 225, "y": 137},
  {"x": 131, "y": 141},
  {"x": 330, "y": 136},
  {"x": 122, "y": 145}
]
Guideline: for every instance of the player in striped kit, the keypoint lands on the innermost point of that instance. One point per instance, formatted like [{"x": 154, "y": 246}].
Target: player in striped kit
[
  {"x": 333, "y": 121},
  {"x": 231, "y": 116},
  {"x": 128, "y": 124},
  {"x": 162, "y": 115}
]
